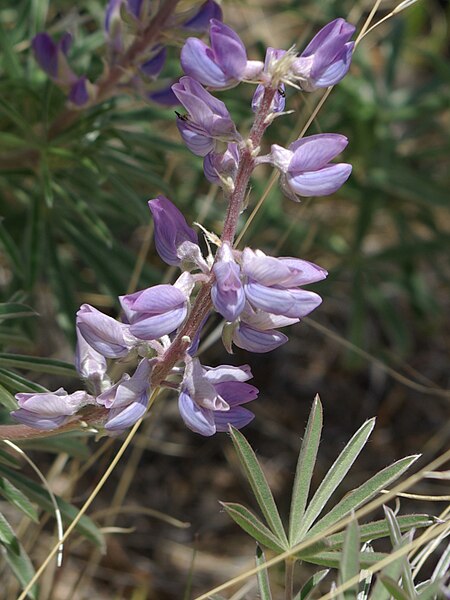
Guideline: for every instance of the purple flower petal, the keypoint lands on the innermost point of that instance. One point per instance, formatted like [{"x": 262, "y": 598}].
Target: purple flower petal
[
  {"x": 315, "y": 151},
  {"x": 106, "y": 335},
  {"x": 154, "y": 66},
  {"x": 254, "y": 340},
  {"x": 200, "y": 21},
  {"x": 171, "y": 229},
  {"x": 154, "y": 327},
  {"x": 237, "y": 417},
  {"x": 34, "y": 420},
  {"x": 123, "y": 418},
  {"x": 79, "y": 93},
  {"x": 197, "y": 419},
  {"x": 323, "y": 182},
  {"x": 236, "y": 393}
]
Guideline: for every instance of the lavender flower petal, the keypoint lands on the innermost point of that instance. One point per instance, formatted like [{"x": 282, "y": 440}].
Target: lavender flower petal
[
  {"x": 237, "y": 417},
  {"x": 197, "y": 419},
  {"x": 254, "y": 340},
  {"x": 106, "y": 335},
  {"x": 323, "y": 182},
  {"x": 200, "y": 21},
  {"x": 171, "y": 229}
]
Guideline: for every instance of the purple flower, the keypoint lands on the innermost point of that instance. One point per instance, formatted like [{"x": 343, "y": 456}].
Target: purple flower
[
  {"x": 171, "y": 230},
  {"x": 127, "y": 400},
  {"x": 305, "y": 166},
  {"x": 106, "y": 335},
  {"x": 279, "y": 100},
  {"x": 51, "y": 57},
  {"x": 79, "y": 93},
  {"x": 164, "y": 96},
  {"x": 256, "y": 330},
  {"x": 271, "y": 284},
  {"x": 326, "y": 59},
  {"x": 207, "y": 120},
  {"x": 114, "y": 26},
  {"x": 200, "y": 21},
  {"x": 227, "y": 292},
  {"x": 155, "y": 311},
  {"x": 153, "y": 67},
  {"x": 222, "y": 65},
  {"x": 49, "y": 410},
  {"x": 218, "y": 166},
  {"x": 134, "y": 7},
  {"x": 89, "y": 363},
  {"x": 211, "y": 398}
]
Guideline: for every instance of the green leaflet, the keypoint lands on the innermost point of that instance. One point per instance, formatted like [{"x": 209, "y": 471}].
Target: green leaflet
[{"x": 259, "y": 485}]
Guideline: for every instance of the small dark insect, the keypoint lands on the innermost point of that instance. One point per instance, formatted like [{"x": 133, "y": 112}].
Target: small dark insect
[
  {"x": 282, "y": 92},
  {"x": 182, "y": 117}
]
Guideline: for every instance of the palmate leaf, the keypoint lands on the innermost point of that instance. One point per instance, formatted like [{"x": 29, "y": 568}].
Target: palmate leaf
[
  {"x": 335, "y": 475},
  {"x": 262, "y": 576},
  {"x": 39, "y": 495},
  {"x": 304, "y": 471},
  {"x": 363, "y": 494},
  {"x": 259, "y": 485},
  {"x": 311, "y": 585},
  {"x": 253, "y": 526}
]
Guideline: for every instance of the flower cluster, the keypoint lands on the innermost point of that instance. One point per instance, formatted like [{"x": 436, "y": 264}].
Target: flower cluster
[
  {"x": 134, "y": 48},
  {"x": 155, "y": 343}
]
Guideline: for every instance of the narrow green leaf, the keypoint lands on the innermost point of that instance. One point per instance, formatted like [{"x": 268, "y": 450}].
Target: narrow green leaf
[
  {"x": 349, "y": 565},
  {"x": 393, "y": 588},
  {"x": 432, "y": 590},
  {"x": 17, "y": 499},
  {"x": 311, "y": 585},
  {"x": 7, "y": 459},
  {"x": 442, "y": 566},
  {"x": 363, "y": 494},
  {"x": 7, "y": 399},
  {"x": 17, "y": 383},
  {"x": 259, "y": 485},
  {"x": 392, "y": 570},
  {"x": 72, "y": 443},
  {"x": 22, "y": 567},
  {"x": 335, "y": 475},
  {"x": 13, "y": 310},
  {"x": 304, "y": 471},
  {"x": 253, "y": 526},
  {"x": 41, "y": 365},
  {"x": 7, "y": 535},
  {"x": 380, "y": 529},
  {"x": 39, "y": 495},
  {"x": 333, "y": 559},
  {"x": 263, "y": 576},
  {"x": 396, "y": 537},
  {"x": 11, "y": 249}
]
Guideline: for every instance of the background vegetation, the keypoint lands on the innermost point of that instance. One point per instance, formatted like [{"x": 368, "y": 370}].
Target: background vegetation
[{"x": 75, "y": 228}]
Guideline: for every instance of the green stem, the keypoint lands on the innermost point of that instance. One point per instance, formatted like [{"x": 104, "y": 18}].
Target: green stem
[{"x": 289, "y": 565}]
